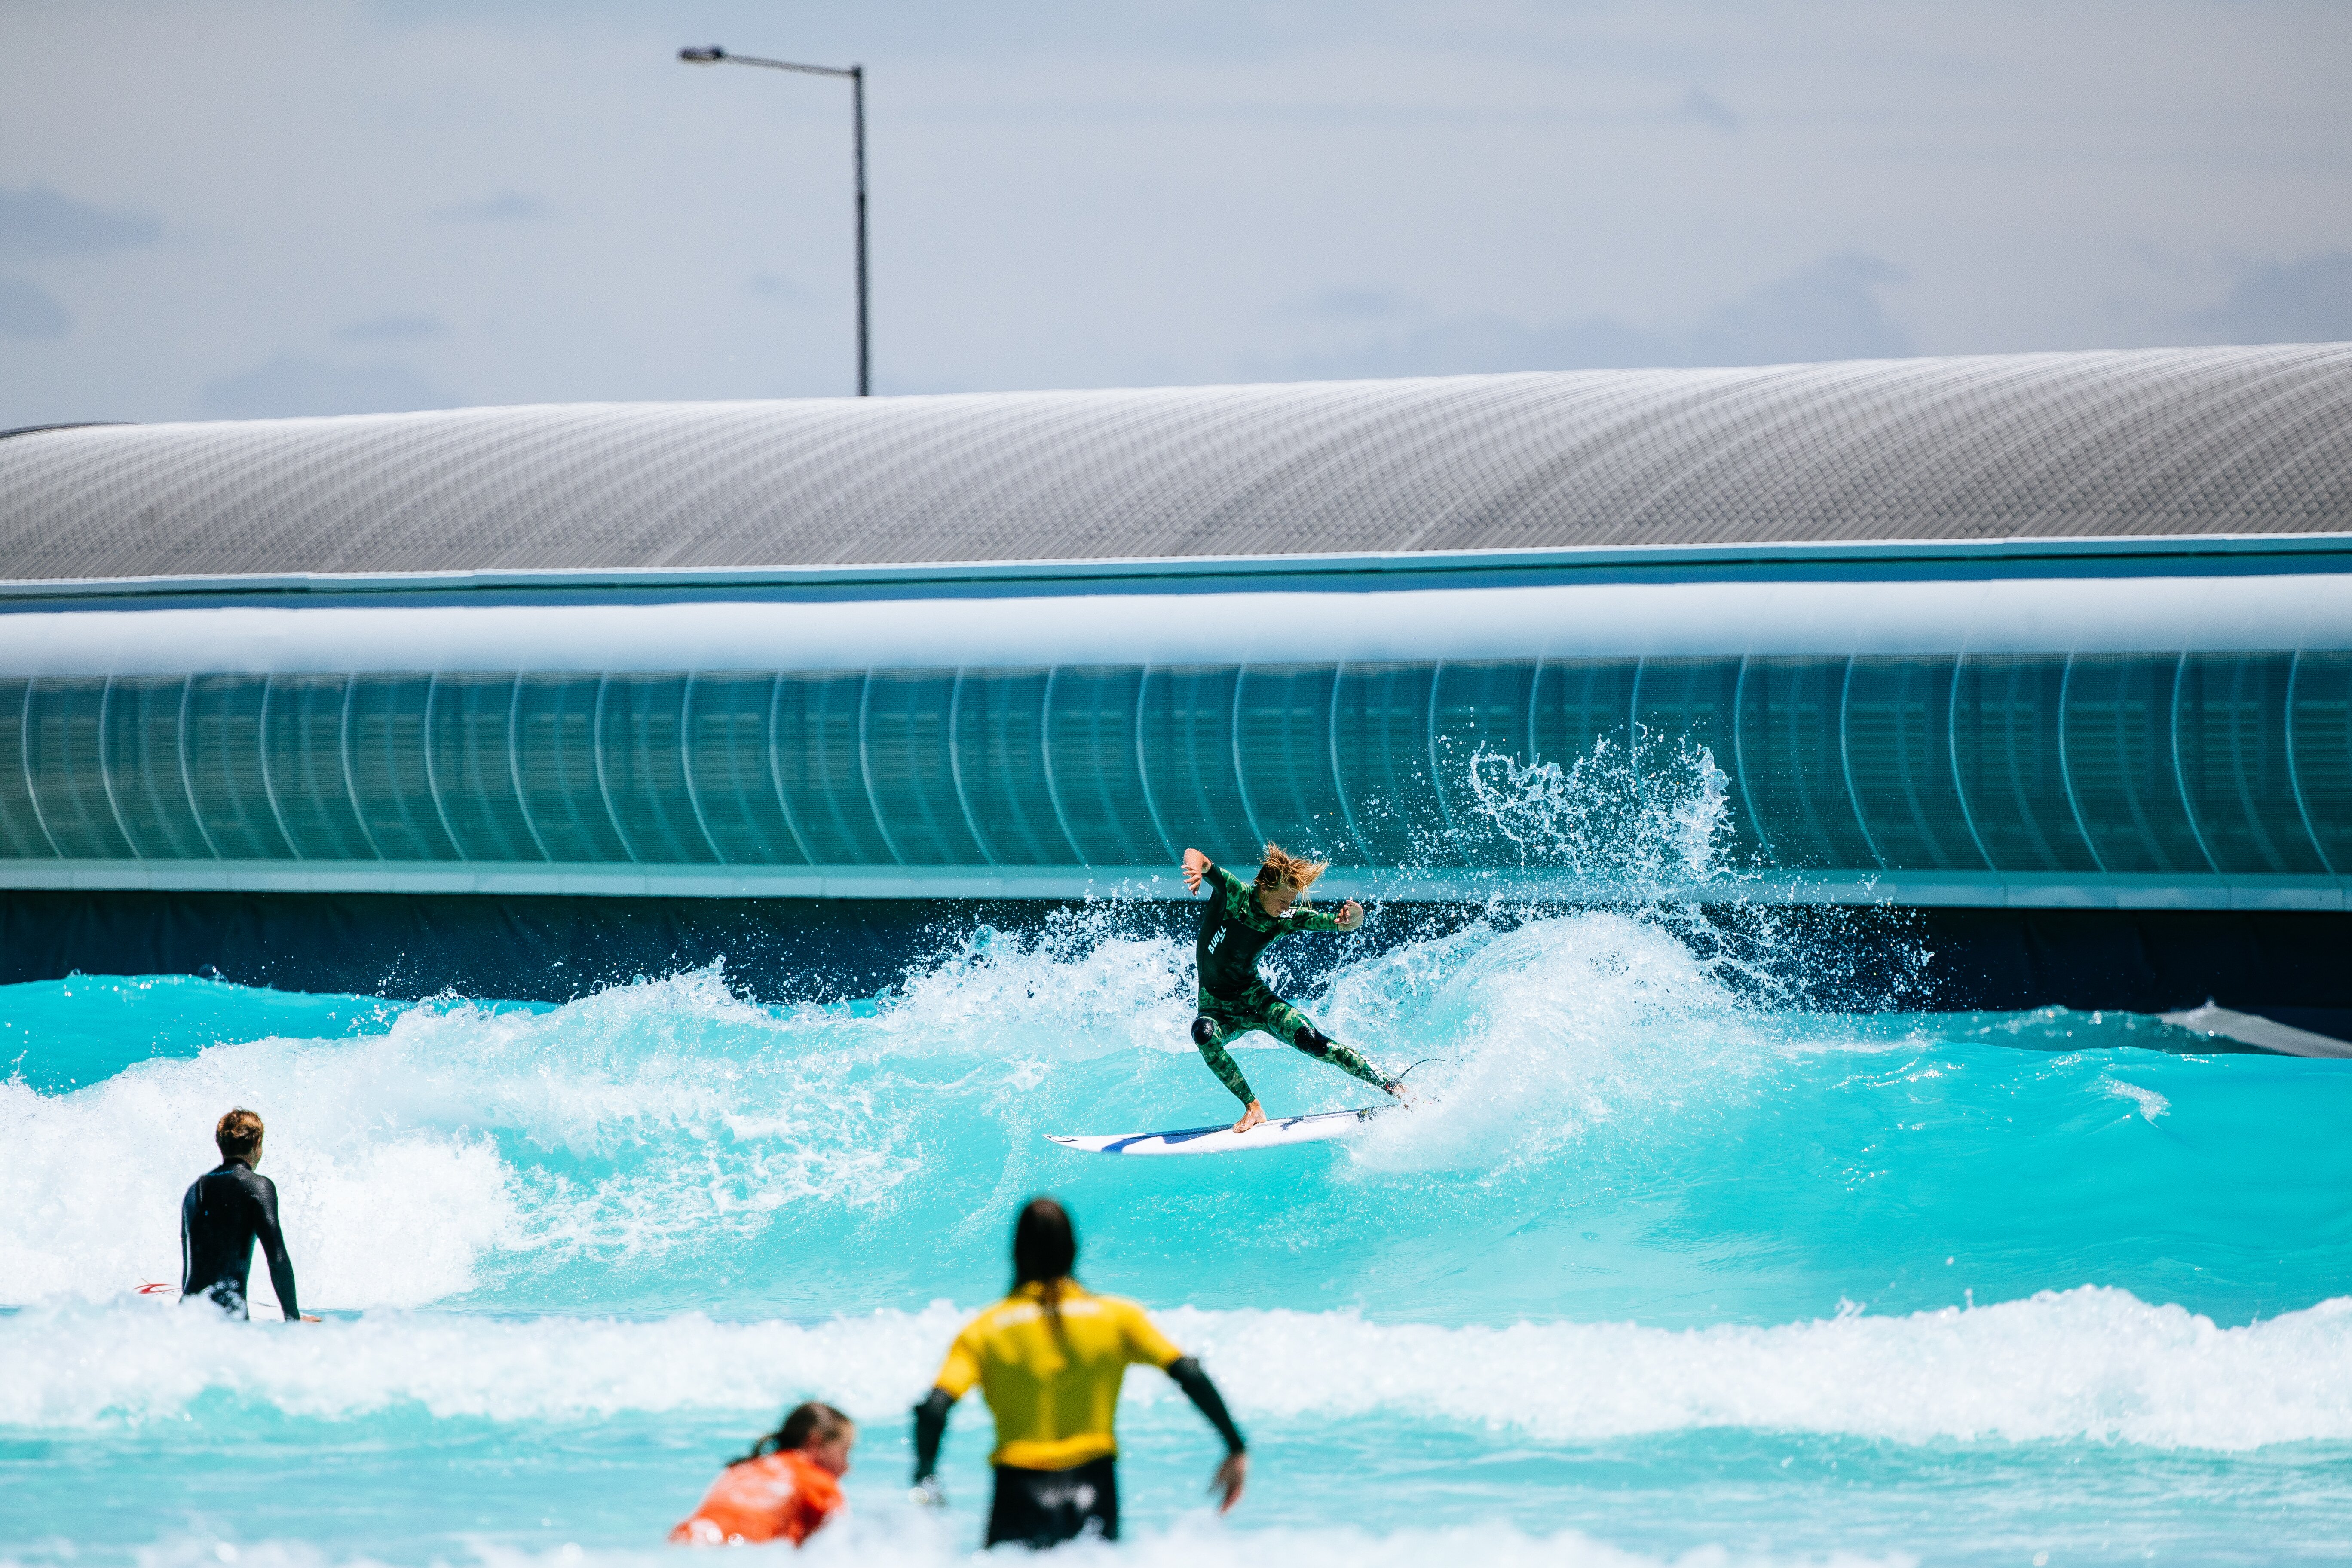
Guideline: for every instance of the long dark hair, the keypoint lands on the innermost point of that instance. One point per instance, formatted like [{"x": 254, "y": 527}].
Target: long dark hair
[
  {"x": 1044, "y": 1251},
  {"x": 803, "y": 1422}
]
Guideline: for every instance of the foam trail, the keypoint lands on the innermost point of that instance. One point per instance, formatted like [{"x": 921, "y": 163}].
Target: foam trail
[
  {"x": 2086, "y": 1364},
  {"x": 898, "y": 1540}
]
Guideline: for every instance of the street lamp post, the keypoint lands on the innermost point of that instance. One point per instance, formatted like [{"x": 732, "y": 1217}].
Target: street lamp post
[{"x": 856, "y": 74}]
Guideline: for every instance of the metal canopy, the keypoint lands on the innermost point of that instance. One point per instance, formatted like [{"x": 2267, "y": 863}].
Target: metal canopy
[{"x": 2173, "y": 442}]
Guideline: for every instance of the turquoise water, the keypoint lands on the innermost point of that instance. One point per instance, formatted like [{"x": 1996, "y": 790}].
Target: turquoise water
[{"x": 1658, "y": 1267}]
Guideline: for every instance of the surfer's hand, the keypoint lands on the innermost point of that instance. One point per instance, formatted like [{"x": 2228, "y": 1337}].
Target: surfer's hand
[
  {"x": 1253, "y": 1117},
  {"x": 1231, "y": 1477},
  {"x": 1195, "y": 865},
  {"x": 1352, "y": 915}
]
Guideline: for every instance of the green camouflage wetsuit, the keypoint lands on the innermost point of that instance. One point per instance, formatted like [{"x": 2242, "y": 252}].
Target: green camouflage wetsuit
[{"x": 1234, "y": 929}]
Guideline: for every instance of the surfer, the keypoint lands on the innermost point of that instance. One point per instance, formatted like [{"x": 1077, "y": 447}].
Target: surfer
[
  {"x": 226, "y": 1210},
  {"x": 1241, "y": 922},
  {"x": 783, "y": 1489},
  {"x": 1049, "y": 1359}
]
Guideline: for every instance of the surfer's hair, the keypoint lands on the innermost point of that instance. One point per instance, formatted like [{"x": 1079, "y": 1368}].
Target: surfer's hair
[
  {"x": 803, "y": 1423},
  {"x": 1284, "y": 869},
  {"x": 1044, "y": 1251},
  {"x": 238, "y": 1134}
]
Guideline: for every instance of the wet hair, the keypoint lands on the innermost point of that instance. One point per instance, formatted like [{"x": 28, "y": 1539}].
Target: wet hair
[
  {"x": 238, "y": 1134},
  {"x": 1284, "y": 869},
  {"x": 803, "y": 1423},
  {"x": 1044, "y": 1251}
]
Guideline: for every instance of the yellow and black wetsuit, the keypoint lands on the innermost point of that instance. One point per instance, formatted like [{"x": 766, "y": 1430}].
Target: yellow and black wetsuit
[
  {"x": 1052, "y": 1378},
  {"x": 1235, "y": 929}
]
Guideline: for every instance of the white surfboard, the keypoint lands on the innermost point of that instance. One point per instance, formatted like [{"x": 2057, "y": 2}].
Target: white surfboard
[{"x": 1272, "y": 1133}]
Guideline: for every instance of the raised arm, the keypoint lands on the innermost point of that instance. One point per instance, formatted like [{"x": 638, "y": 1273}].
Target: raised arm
[
  {"x": 1198, "y": 866},
  {"x": 273, "y": 1247}
]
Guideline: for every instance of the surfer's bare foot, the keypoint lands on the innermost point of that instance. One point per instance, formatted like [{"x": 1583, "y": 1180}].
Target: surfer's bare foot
[{"x": 1253, "y": 1117}]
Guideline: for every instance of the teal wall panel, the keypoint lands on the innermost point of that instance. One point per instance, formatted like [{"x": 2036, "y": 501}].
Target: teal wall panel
[{"x": 2151, "y": 768}]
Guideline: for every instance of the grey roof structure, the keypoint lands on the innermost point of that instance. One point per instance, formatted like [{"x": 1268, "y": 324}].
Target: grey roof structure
[{"x": 2191, "y": 441}]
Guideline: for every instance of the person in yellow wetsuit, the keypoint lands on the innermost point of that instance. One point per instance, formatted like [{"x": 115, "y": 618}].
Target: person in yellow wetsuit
[
  {"x": 783, "y": 1489},
  {"x": 1049, "y": 1359}
]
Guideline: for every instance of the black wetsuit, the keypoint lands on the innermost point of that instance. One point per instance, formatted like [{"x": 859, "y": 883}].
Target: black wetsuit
[
  {"x": 227, "y": 1209},
  {"x": 1234, "y": 999}
]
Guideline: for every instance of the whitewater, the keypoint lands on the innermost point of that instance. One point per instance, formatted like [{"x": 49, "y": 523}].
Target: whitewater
[{"x": 1678, "y": 1260}]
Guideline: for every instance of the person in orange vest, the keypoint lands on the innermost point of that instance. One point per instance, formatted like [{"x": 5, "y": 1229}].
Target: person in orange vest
[
  {"x": 1049, "y": 1359},
  {"x": 783, "y": 1489}
]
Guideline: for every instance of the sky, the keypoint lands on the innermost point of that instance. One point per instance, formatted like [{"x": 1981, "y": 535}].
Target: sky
[{"x": 241, "y": 209}]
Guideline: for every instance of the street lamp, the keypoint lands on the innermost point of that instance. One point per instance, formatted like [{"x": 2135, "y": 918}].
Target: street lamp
[{"x": 713, "y": 56}]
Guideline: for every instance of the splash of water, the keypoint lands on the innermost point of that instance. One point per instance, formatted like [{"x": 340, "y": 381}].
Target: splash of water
[
  {"x": 1648, "y": 819},
  {"x": 2089, "y": 1363}
]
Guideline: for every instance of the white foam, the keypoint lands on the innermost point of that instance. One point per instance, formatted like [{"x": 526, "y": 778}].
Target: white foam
[
  {"x": 2087, "y": 1363},
  {"x": 899, "y": 1538},
  {"x": 385, "y": 1146},
  {"x": 1542, "y": 1032},
  {"x": 2150, "y": 1104}
]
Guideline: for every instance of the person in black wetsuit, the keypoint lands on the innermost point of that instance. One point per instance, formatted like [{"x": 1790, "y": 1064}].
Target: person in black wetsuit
[
  {"x": 227, "y": 1209},
  {"x": 1241, "y": 922}
]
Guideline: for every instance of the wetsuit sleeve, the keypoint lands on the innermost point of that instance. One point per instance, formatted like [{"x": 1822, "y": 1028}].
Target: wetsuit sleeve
[
  {"x": 930, "y": 1431},
  {"x": 1227, "y": 884},
  {"x": 1314, "y": 919},
  {"x": 1205, "y": 1397},
  {"x": 273, "y": 1246}
]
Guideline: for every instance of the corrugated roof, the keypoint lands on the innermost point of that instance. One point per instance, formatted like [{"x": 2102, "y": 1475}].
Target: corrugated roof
[{"x": 2187, "y": 441}]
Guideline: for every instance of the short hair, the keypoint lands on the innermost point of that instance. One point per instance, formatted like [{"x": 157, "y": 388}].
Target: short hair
[
  {"x": 1284, "y": 869},
  {"x": 238, "y": 1134}
]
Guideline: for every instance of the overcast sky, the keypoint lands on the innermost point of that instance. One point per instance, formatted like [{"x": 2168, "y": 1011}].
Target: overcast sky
[{"x": 235, "y": 209}]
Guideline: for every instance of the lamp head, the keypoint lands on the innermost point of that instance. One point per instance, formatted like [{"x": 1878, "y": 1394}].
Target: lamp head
[{"x": 709, "y": 56}]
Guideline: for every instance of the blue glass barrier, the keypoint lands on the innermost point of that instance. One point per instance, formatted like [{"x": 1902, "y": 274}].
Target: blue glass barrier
[
  {"x": 816, "y": 750},
  {"x": 2149, "y": 765},
  {"x": 909, "y": 729},
  {"x": 384, "y": 741},
  {"x": 471, "y": 765},
  {"x": 1789, "y": 765},
  {"x": 2117, "y": 732},
  {"x": 2231, "y": 713},
  {"x": 2319, "y": 742},
  {"x": 1094, "y": 768},
  {"x": 729, "y": 767},
  {"x": 303, "y": 721},
  {"x": 1000, "y": 761},
  {"x": 145, "y": 726},
  {"x": 226, "y": 774},
  {"x": 641, "y": 758},
  {"x": 1290, "y": 782},
  {"x": 2008, "y": 754},
  {"x": 1380, "y": 753},
  {"x": 556, "y": 767},
  {"x": 1186, "y": 743},
  {"x": 63, "y": 733},
  {"x": 1899, "y": 764}
]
